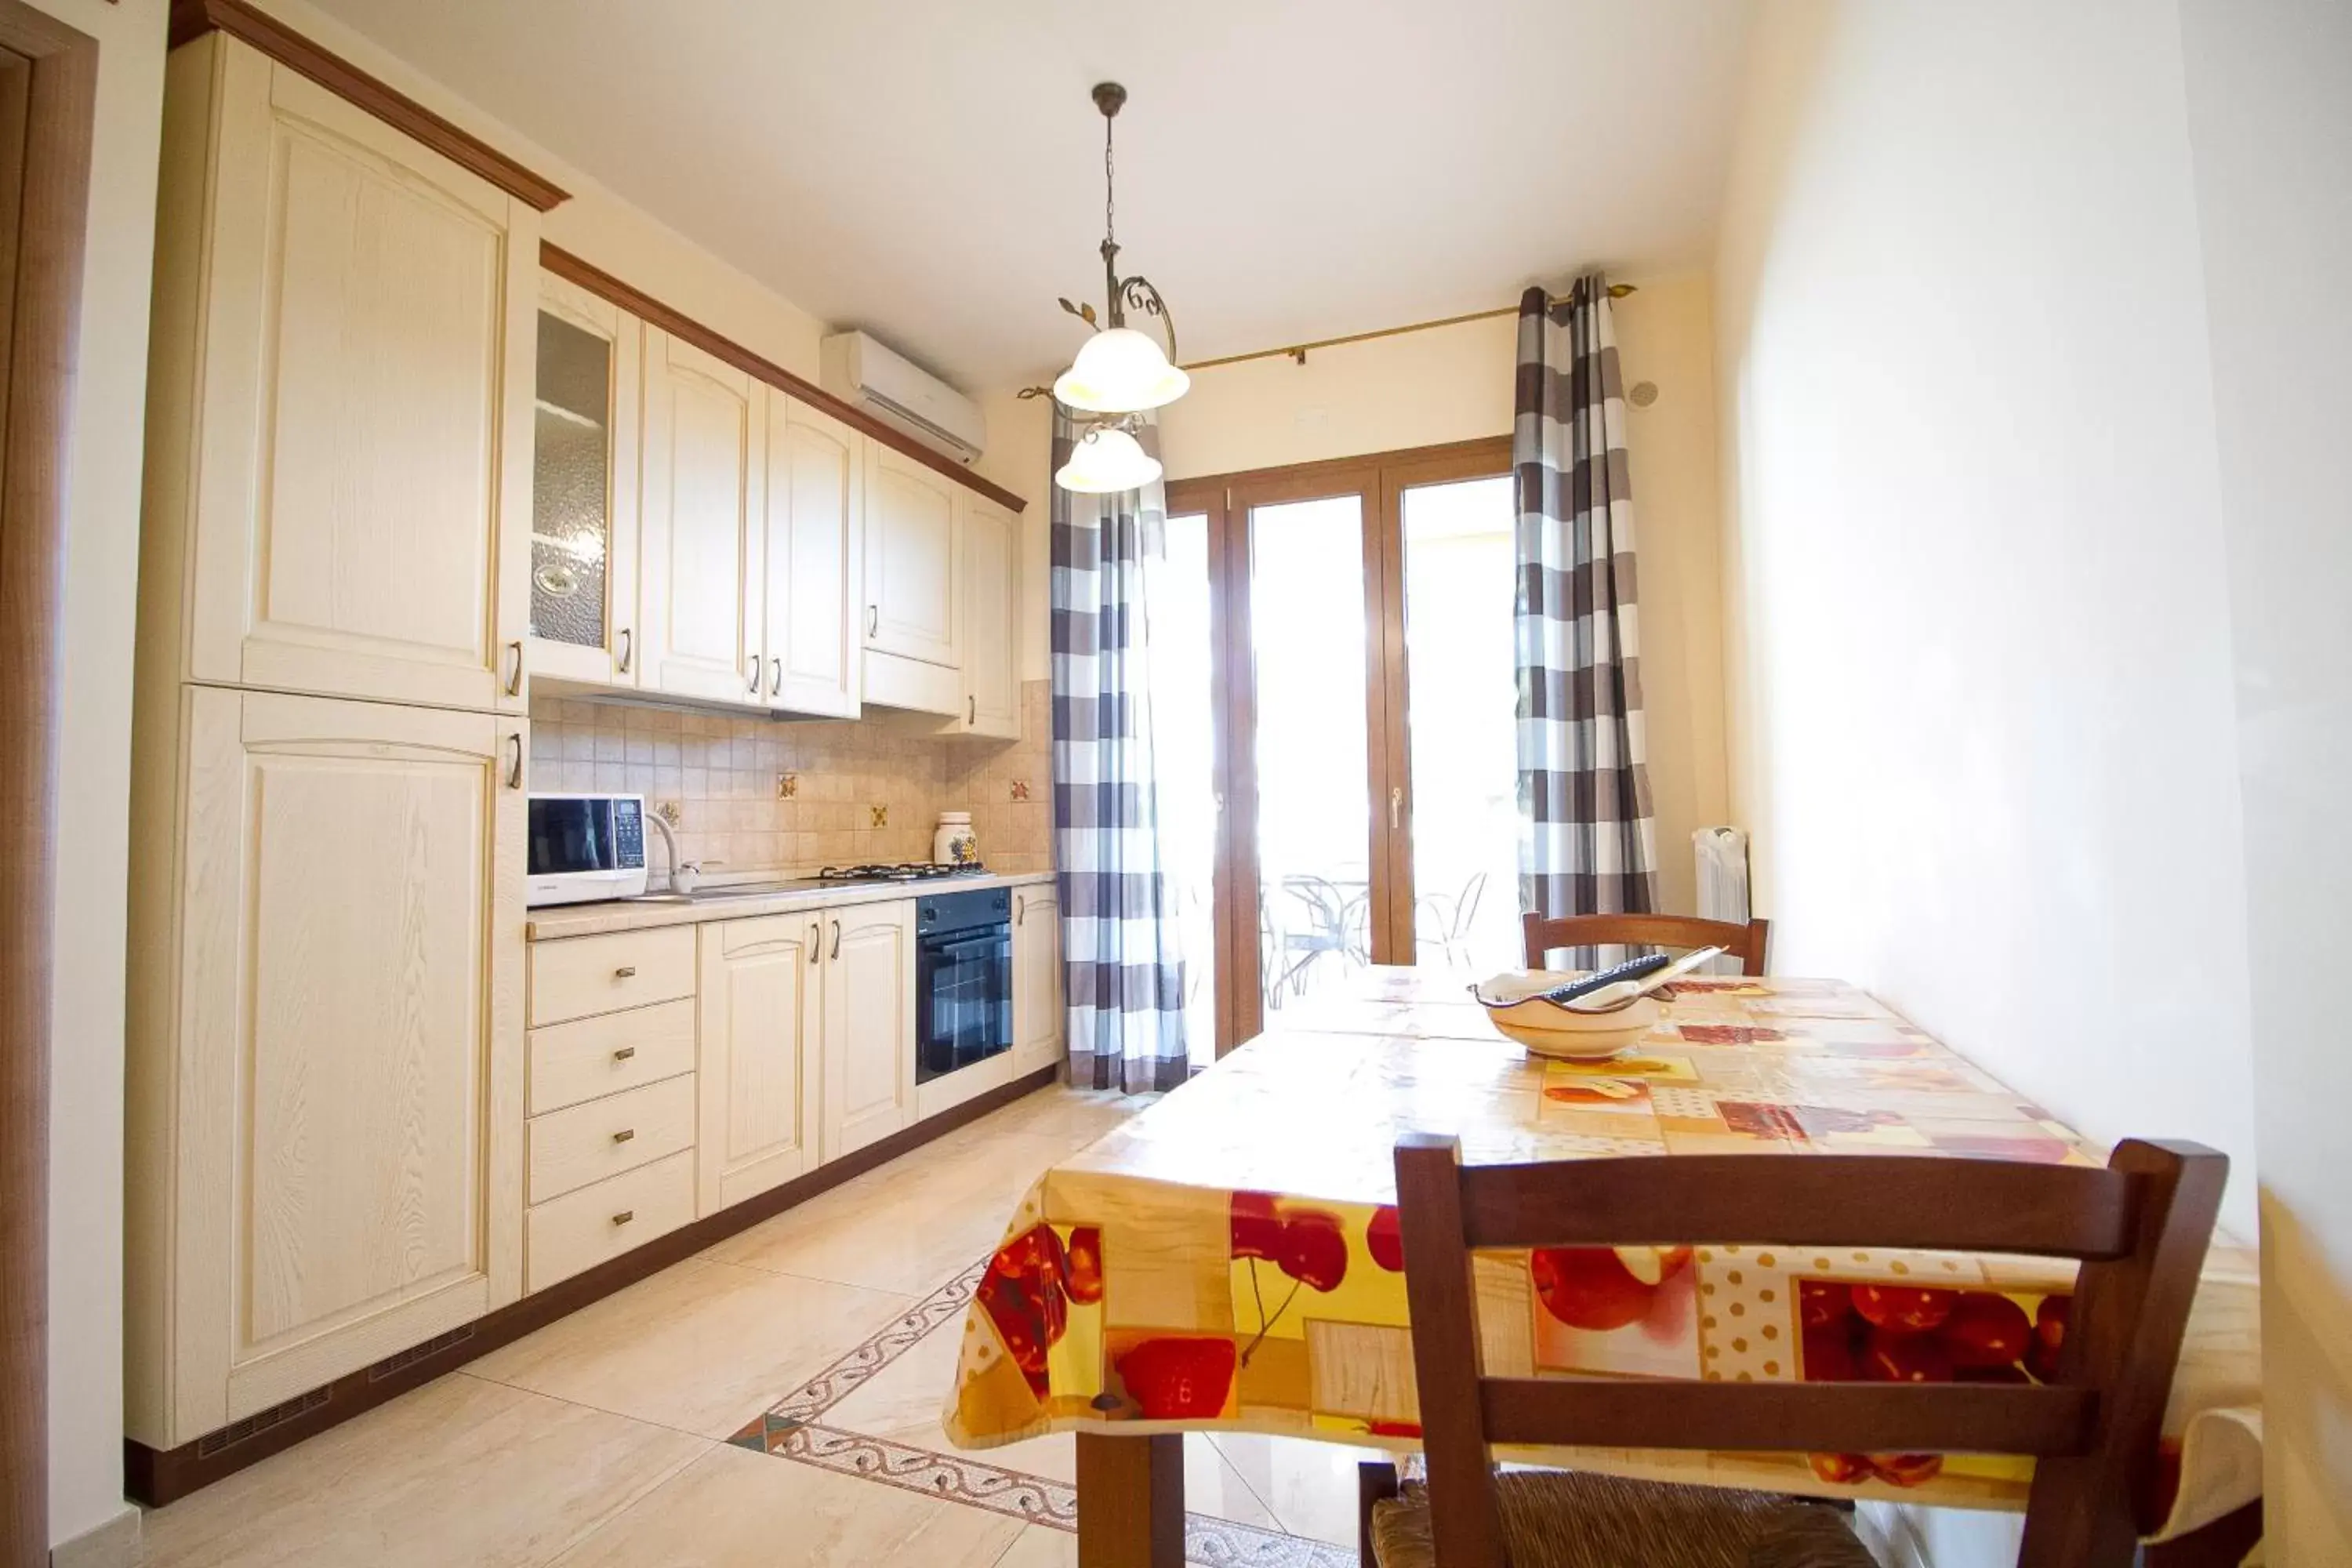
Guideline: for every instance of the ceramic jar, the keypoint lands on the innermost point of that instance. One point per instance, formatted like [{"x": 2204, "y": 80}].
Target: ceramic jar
[{"x": 954, "y": 843}]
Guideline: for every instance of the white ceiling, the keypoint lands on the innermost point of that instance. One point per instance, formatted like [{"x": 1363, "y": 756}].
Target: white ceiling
[{"x": 931, "y": 170}]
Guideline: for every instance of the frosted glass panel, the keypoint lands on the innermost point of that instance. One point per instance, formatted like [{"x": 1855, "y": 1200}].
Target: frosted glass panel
[{"x": 571, "y": 513}]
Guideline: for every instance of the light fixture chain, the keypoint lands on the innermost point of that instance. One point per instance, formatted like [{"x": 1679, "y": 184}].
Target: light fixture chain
[{"x": 1110, "y": 185}]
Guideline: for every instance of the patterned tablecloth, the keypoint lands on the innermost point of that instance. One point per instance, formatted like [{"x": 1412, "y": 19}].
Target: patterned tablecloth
[{"x": 1229, "y": 1259}]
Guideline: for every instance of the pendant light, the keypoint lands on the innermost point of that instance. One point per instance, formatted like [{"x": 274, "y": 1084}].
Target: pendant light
[
  {"x": 1106, "y": 460},
  {"x": 1120, "y": 370}
]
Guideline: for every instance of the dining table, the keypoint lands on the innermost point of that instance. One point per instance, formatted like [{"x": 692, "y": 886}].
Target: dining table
[{"x": 1228, "y": 1259}]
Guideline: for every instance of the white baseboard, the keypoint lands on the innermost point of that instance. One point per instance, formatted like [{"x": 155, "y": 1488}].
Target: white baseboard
[{"x": 114, "y": 1544}]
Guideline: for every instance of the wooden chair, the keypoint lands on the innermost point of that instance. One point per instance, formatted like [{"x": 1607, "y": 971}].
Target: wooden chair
[
  {"x": 1745, "y": 943},
  {"x": 2139, "y": 1228}
]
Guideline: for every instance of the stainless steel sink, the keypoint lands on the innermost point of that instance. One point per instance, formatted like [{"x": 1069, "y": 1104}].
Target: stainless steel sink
[{"x": 730, "y": 890}]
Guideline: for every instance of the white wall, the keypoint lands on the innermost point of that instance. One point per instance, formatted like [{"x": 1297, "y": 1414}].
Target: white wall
[
  {"x": 2270, "y": 124},
  {"x": 1454, "y": 384},
  {"x": 1981, "y": 675},
  {"x": 94, "y": 763}
]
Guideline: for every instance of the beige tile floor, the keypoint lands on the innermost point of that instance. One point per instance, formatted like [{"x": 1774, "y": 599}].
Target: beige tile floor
[{"x": 599, "y": 1440}]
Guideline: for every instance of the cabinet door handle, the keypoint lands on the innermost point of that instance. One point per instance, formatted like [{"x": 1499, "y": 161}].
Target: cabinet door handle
[
  {"x": 757, "y": 665},
  {"x": 836, "y": 939},
  {"x": 628, "y": 650},
  {"x": 624, "y": 1053},
  {"x": 626, "y": 972},
  {"x": 514, "y": 681},
  {"x": 972, "y": 710},
  {"x": 1020, "y": 909},
  {"x": 514, "y": 763},
  {"x": 1396, "y": 809},
  {"x": 624, "y": 1216},
  {"x": 776, "y": 675},
  {"x": 625, "y": 1134},
  {"x": 872, "y": 620},
  {"x": 816, "y": 940}
]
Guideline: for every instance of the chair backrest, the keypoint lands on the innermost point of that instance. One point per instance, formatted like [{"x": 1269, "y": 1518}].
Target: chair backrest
[
  {"x": 1745, "y": 942},
  {"x": 2139, "y": 1227}
]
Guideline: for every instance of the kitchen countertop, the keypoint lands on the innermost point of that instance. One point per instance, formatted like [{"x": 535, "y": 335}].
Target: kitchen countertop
[{"x": 557, "y": 921}]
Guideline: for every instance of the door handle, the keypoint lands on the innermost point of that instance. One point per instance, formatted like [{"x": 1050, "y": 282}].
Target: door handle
[
  {"x": 758, "y": 664},
  {"x": 872, "y": 620},
  {"x": 628, "y": 649},
  {"x": 1020, "y": 909},
  {"x": 1396, "y": 809},
  {"x": 817, "y": 941},
  {"x": 776, "y": 675},
  {"x": 972, "y": 710},
  {"x": 836, "y": 939},
  {"x": 514, "y": 681},
  {"x": 514, "y": 764}
]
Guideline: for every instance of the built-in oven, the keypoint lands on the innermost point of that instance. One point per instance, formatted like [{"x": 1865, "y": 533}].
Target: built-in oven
[
  {"x": 963, "y": 980},
  {"x": 585, "y": 846}
]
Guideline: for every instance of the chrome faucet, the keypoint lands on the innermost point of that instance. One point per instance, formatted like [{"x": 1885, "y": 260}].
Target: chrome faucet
[{"x": 682, "y": 873}]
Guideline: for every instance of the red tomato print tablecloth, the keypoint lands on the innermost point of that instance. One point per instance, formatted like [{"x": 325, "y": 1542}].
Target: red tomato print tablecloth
[{"x": 1229, "y": 1257}]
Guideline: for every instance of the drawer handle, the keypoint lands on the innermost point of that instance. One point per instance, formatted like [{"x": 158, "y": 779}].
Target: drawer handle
[
  {"x": 625, "y": 1134},
  {"x": 624, "y": 1216},
  {"x": 624, "y": 1053},
  {"x": 626, "y": 972}
]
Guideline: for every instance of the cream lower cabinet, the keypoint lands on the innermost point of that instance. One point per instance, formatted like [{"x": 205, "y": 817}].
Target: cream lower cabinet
[
  {"x": 1037, "y": 1010},
  {"x": 325, "y": 1119},
  {"x": 758, "y": 1003},
  {"x": 869, "y": 1025},
  {"x": 340, "y": 424}
]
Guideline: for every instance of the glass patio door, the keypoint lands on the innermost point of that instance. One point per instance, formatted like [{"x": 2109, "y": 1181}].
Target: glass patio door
[{"x": 1319, "y": 748}]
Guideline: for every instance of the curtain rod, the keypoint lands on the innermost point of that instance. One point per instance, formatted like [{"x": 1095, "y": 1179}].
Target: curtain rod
[{"x": 1298, "y": 352}]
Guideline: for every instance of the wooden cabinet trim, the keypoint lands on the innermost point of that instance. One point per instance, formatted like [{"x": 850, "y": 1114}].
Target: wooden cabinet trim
[
  {"x": 192, "y": 19},
  {"x": 644, "y": 306}
]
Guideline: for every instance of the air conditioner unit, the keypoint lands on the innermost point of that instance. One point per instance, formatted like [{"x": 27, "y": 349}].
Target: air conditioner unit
[{"x": 866, "y": 375}]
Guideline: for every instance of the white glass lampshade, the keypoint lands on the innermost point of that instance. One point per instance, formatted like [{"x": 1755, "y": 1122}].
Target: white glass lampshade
[
  {"x": 1120, "y": 371},
  {"x": 1106, "y": 461}
]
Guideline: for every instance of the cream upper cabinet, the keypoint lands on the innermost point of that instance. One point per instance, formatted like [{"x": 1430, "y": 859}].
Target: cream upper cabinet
[
  {"x": 332, "y": 1019},
  {"x": 911, "y": 605},
  {"x": 340, "y": 464},
  {"x": 1037, "y": 1011},
  {"x": 815, "y": 560},
  {"x": 701, "y": 526},
  {"x": 870, "y": 1024},
  {"x": 758, "y": 1003},
  {"x": 992, "y": 685},
  {"x": 583, "y": 519}
]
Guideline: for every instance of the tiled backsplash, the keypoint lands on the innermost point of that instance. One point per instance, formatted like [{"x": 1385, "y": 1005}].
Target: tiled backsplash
[{"x": 722, "y": 773}]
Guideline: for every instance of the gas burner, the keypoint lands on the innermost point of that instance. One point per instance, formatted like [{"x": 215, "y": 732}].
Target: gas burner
[{"x": 906, "y": 871}]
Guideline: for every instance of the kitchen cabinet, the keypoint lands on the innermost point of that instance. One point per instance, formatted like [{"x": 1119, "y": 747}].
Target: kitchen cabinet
[
  {"x": 761, "y": 989},
  {"x": 992, "y": 683},
  {"x": 870, "y": 1024},
  {"x": 585, "y": 442},
  {"x": 325, "y": 1123},
  {"x": 911, "y": 605},
  {"x": 341, "y": 417},
  {"x": 813, "y": 548},
  {"x": 701, "y": 524},
  {"x": 1037, "y": 1007}
]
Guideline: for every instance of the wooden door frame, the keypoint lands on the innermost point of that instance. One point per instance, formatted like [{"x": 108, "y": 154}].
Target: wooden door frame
[
  {"x": 35, "y": 452},
  {"x": 1381, "y": 478}
]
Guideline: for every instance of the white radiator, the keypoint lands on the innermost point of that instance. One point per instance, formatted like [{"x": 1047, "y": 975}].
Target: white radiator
[{"x": 1722, "y": 857}]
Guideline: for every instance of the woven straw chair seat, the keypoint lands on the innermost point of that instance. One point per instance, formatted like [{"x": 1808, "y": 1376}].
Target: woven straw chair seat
[{"x": 1563, "y": 1519}]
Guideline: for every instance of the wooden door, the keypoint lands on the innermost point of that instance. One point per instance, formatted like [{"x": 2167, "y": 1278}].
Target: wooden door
[
  {"x": 1037, "y": 1025},
  {"x": 870, "y": 1024},
  {"x": 759, "y": 1016},
  {"x": 361, "y": 484},
  {"x": 815, "y": 560},
  {"x": 911, "y": 606},
  {"x": 699, "y": 587},
  {"x": 586, "y": 436},
  {"x": 992, "y": 684},
  {"x": 349, "y": 1040}
]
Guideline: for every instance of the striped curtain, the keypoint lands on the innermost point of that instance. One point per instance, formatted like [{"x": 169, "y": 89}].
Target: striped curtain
[
  {"x": 1122, "y": 963},
  {"x": 1588, "y": 843}
]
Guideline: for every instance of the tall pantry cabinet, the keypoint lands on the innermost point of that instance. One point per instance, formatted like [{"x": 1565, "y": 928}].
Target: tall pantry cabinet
[{"x": 325, "y": 1112}]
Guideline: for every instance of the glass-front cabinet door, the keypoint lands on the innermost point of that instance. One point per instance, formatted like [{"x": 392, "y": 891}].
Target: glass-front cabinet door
[{"x": 583, "y": 524}]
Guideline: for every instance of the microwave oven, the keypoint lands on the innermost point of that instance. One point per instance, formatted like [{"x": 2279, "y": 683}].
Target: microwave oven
[{"x": 584, "y": 847}]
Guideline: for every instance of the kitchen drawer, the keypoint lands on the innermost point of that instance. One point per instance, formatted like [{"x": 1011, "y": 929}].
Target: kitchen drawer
[
  {"x": 583, "y": 976},
  {"x": 581, "y": 1229},
  {"x": 608, "y": 1053},
  {"x": 605, "y": 1137}
]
